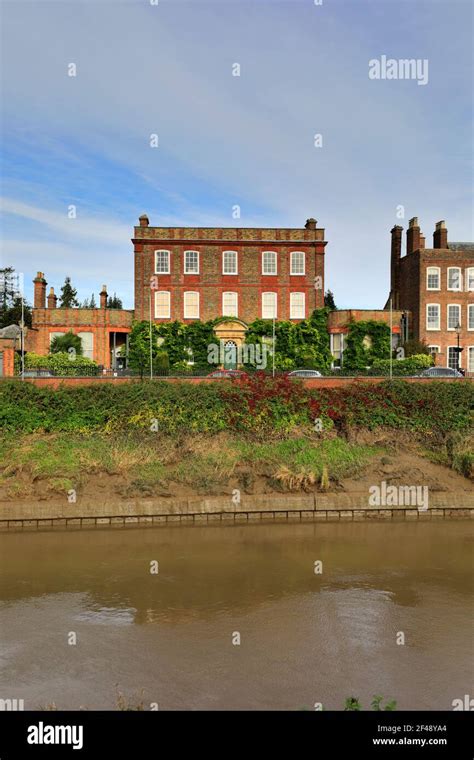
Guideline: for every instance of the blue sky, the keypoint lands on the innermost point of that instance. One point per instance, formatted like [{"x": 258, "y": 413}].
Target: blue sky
[{"x": 166, "y": 69}]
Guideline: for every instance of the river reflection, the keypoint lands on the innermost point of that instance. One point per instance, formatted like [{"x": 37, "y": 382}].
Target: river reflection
[{"x": 305, "y": 637}]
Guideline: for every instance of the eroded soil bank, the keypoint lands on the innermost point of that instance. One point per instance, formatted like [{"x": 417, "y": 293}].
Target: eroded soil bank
[{"x": 62, "y": 471}]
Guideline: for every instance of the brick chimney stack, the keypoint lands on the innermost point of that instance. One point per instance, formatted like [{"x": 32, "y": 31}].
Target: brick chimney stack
[
  {"x": 395, "y": 255},
  {"x": 144, "y": 221},
  {"x": 413, "y": 236},
  {"x": 310, "y": 224},
  {"x": 440, "y": 235},
  {"x": 52, "y": 299},
  {"x": 103, "y": 297},
  {"x": 40, "y": 291}
]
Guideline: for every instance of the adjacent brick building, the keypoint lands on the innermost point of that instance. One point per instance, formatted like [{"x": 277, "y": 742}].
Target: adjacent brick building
[
  {"x": 339, "y": 321},
  {"x": 102, "y": 330},
  {"x": 435, "y": 286}
]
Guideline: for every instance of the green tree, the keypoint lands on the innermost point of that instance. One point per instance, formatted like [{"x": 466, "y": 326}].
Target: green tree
[
  {"x": 113, "y": 302},
  {"x": 68, "y": 297},
  {"x": 139, "y": 347},
  {"x": 329, "y": 300},
  {"x": 414, "y": 347},
  {"x": 63, "y": 344},
  {"x": 8, "y": 288},
  {"x": 12, "y": 314}
]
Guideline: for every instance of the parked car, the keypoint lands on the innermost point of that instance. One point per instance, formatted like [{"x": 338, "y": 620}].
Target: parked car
[
  {"x": 440, "y": 372},
  {"x": 304, "y": 373},
  {"x": 38, "y": 373},
  {"x": 229, "y": 373}
]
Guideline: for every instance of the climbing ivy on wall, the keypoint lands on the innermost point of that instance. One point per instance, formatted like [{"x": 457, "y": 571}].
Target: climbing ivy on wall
[
  {"x": 302, "y": 344},
  {"x": 366, "y": 341},
  {"x": 178, "y": 338}
]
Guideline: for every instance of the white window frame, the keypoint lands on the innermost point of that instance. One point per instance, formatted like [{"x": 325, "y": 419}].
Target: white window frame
[
  {"x": 162, "y": 316},
  {"x": 459, "y": 317},
  {"x": 439, "y": 316},
  {"x": 299, "y": 253},
  {"x": 332, "y": 350},
  {"x": 53, "y": 335},
  {"x": 431, "y": 270},
  {"x": 270, "y": 274},
  {"x": 233, "y": 293},
  {"x": 469, "y": 307},
  {"x": 186, "y": 271},
  {"x": 469, "y": 279},
  {"x": 469, "y": 349},
  {"x": 186, "y": 293},
  {"x": 87, "y": 352},
  {"x": 275, "y": 304},
  {"x": 459, "y": 364},
  {"x": 454, "y": 269},
  {"x": 162, "y": 250},
  {"x": 236, "y": 263},
  {"x": 297, "y": 293},
  {"x": 438, "y": 349}
]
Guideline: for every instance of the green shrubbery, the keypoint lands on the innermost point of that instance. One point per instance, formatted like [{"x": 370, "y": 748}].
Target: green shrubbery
[
  {"x": 413, "y": 365},
  {"x": 61, "y": 363},
  {"x": 257, "y": 405}
]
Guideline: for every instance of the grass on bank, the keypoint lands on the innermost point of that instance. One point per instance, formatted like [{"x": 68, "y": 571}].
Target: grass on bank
[{"x": 147, "y": 463}]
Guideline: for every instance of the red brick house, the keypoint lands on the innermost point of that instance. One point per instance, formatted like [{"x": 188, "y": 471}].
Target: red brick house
[
  {"x": 436, "y": 286},
  {"x": 186, "y": 273}
]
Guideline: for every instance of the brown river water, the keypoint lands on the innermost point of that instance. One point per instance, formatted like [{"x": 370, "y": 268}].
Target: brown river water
[{"x": 305, "y": 637}]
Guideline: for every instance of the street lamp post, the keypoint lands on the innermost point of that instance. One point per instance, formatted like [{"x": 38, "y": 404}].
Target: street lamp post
[
  {"x": 273, "y": 346},
  {"x": 458, "y": 349},
  {"x": 153, "y": 289}
]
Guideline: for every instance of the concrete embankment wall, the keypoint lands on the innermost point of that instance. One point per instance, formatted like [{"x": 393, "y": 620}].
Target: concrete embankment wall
[{"x": 215, "y": 510}]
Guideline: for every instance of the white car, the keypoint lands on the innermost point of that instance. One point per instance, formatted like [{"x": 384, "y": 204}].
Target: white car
[
  {"x": 305, "y": 373},
  {"x": 440, "y": 372}
]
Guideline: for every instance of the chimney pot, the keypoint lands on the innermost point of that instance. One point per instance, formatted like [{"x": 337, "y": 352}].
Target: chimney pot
[
  {"x": 144, "y": 221},
  {"x": 103, "y": 297},
  {"x": 413, "y": 235},
  {"x": 52, "y": 299},
  {"x": 440, "y": 235},
  {"x": 39, "y": 298},
  {"x": 311, "y": 224}
]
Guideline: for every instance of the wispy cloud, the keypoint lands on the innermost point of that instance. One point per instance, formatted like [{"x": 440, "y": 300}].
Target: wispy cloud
[{"x": 227, "y": 140}]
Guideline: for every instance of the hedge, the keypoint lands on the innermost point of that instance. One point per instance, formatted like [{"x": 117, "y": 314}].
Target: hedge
[{"x": 257, "y": 405}]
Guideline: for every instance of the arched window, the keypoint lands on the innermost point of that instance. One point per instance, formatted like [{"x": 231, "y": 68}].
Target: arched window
[
  {"x": 162, "y": 304},
  {"x": 229, "y": 304},
  {"x": 191, "y": 305},
  {"x": 269, "y": 305},
  {"x": 297, "y": 306}
]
